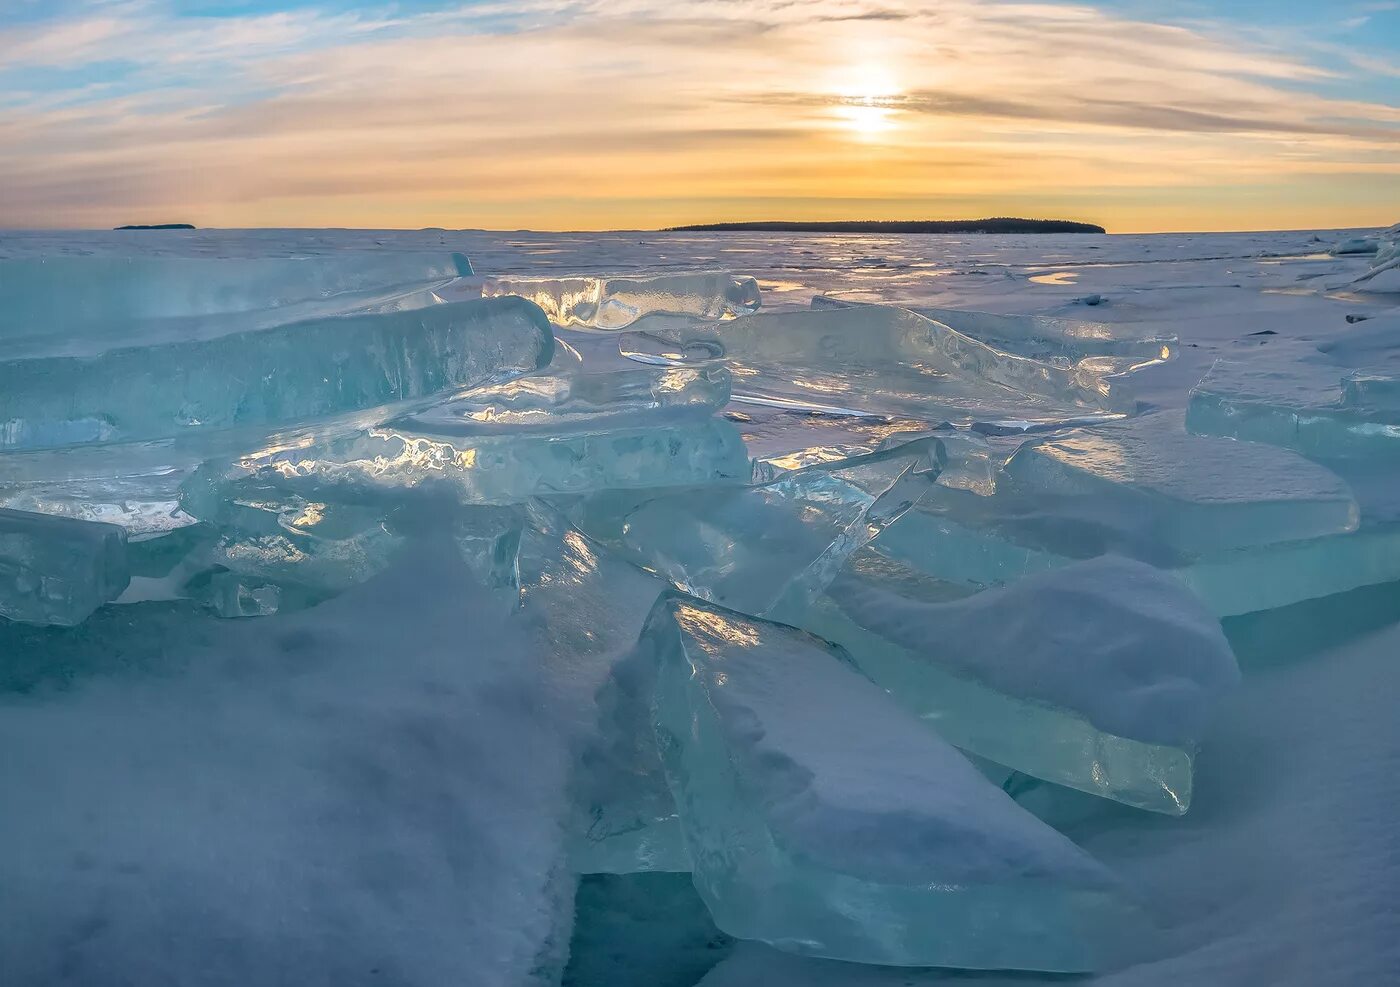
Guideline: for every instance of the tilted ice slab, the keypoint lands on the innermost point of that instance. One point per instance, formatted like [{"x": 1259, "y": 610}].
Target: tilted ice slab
[
  {"x": 976, "y": 554},
  {"x": 883, "y": 361},
  {"x": 1247, "y": 525},
  {"x": 1100, "y": 676},
  {"x": 1107, "y": 348},
  {"x": 56, "y": 300},
  {"x": 633, "y": 302},
  {"x": 858, "y": 835},
  {"x": 500, "y": 470},
  {"x": 57, "y": 570},
  {"x": 576, "y": 401},
  {"x": 1191, "y": 495},
  {"x": 1318, "y": 409},
  {"x": 145, "y": 504},
  {"x": 770, "y": 549},
  {"x": 273, "y": 378}
]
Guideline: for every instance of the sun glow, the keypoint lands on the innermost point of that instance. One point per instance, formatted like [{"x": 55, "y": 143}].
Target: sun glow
[{"x": 867, "y": 96}]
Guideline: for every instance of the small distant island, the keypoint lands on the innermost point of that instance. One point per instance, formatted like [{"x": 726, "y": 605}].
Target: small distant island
[
  {"x": 1000, "y": 224},
  {"x": 157, "y": 226}
]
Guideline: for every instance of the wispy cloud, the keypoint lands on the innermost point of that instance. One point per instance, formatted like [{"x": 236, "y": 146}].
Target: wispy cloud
[{"x": 628, "y": 112}]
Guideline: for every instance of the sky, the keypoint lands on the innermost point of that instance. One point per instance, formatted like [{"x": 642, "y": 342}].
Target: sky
[{"x": 1139, "y": 115}]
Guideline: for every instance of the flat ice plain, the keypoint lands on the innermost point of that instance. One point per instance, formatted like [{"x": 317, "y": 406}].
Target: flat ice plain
[{"x": 378, "y": 790}]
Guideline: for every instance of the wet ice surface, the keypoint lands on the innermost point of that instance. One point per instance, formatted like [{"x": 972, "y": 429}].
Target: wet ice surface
[{"x": 430, "y": 712}]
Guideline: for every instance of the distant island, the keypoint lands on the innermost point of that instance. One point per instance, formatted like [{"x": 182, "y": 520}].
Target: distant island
[
  {"x": 1000, "y": 224},
  {"x": 157, "y": 226}
]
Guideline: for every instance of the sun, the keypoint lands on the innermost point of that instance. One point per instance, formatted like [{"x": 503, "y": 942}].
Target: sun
[{"x": 866, "y": 97}]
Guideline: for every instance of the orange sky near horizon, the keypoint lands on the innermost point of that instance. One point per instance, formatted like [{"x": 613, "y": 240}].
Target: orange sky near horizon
[{"x": 644, "y": 115}]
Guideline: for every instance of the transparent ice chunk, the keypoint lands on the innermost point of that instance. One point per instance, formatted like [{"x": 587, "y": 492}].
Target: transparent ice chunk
[
  {"x": 56, "y": 299},
  {"x": 496, "y": 470},
  {"x": 633, "y": 301},
  {"x": 1110, "y": 348},
  {"x": 229, "y": 595},
  {"x": 884, "y": 361},
  {"x": 145, "y": 504},
  {"x": 859, "y": 835},
  {"x": 576, "y": 401},
  {"x": 975, "y": 554},
  {"x": 253, "y": 382},
  {"x": 1100, "y": 676},
  {"x": 57, "y": 570},
  {"x": 1190, "y": 494},
  {"x": 1297, "y": 404},
  {"x": 770, "y": 549}
]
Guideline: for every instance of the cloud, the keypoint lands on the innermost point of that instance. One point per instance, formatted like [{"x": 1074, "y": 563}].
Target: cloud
[{"x": 446, "y": 116}]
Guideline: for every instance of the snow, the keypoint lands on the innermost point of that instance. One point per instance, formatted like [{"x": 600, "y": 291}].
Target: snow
[{"x": 321, "y": 799}]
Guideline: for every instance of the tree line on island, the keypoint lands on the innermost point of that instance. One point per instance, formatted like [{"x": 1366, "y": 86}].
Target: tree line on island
[{"x": 1000, "y": 224}]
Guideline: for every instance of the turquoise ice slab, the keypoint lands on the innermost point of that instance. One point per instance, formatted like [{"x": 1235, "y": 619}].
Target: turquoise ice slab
[
  {"x": 491, "y": 470},
  {"x": 771, "y": 548},
  {"x": 1302, "y": 405},
  {"x": 978, "y": 555},
  {"x": 270, "y": 378},
  {"x": 53, "y": 301},
  {"x": 1187, "y": 494},
  {"x": 633, "y": 301},
  {"x": 575, "y": 401},
  {"x": 57, "y": 570},
  {"x": 1100, "y": 676},
  {"x": 884, "y": 361},
  {"x": 825, "y": 820},
  {"x": 1110, "y": 348}
]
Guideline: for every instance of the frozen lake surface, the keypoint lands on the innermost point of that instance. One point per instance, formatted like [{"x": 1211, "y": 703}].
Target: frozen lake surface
[{"x": 380, "y": 782}]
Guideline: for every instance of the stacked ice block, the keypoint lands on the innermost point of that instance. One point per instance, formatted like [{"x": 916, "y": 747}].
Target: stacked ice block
[{"x": 809, "y": 599}]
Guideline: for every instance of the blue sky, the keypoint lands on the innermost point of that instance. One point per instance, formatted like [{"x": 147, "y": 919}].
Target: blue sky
[{"x": 1139, "y": 114}]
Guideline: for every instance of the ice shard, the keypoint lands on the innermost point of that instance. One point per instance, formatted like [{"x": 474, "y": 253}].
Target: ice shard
[
  {"x": 251, "y": 383},
  {"x": 859, "y": 836},
  {"x": 388, "y": 463},
  {"x": 976, "y": 553},
  {"x": 57, "y": 570},
  {"x": 576, "y": 401},
  {"x": 309, "y": 549},
  {"x": 1190, "y": 495},
  {"x": 1100, "y": 676},
  {"x": 1303, "y": 405},
  {"x": 1107, "y": 348},
  {"x": 771, "y": 548},
  {"x": 633, "y": 301},
  {"x": 145, "y": 504},
  {"x": 1247, "y": 525},
  {"x": 884, "y": 361},
  {"x": 85, "y": 300}
]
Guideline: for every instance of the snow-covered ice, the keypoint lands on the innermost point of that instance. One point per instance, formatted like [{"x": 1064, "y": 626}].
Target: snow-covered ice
[{"x": 443, "y": 521}]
